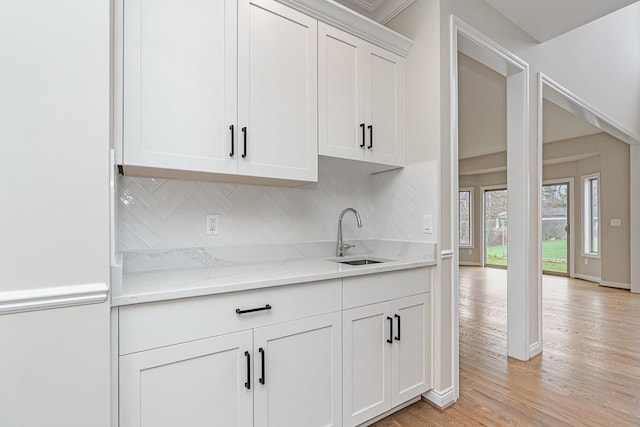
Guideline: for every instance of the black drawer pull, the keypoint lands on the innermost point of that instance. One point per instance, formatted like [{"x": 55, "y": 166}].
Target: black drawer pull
[
  {"x": 390, "y": 340},
  {"x": 232, "y": 153},
  {"x": 397, "y": 316},
  {"x": 363, "y": 135},
  {"x": 261, "y": 350},
  {"x": 248, "y": 383},
  {"x": 370, "y": 127},
  {"x": 251, "y": 310},
  {"x": 244, "y": 136}
]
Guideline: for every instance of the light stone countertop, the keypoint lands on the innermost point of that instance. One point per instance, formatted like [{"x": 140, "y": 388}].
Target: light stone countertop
[{"x": 181, "y": 273}]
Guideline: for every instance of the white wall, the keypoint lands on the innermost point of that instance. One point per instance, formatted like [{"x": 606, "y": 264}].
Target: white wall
[{"x": 54, "y": 141}]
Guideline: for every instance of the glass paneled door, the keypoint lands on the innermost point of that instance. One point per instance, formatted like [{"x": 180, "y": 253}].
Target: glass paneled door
[
  {"x": 555, "y": 228},
  {"x": 495, "y": 228}
]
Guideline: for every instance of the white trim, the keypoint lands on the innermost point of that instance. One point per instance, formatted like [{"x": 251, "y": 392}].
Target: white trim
[
  {"x": 446, "y": 254},
  {"x": 535, "y": 349},
  {"x": 347, "y": 20},
  {"x": 618, "y": 285},
  {"x": 593, "y": 279},
  {"x": 567, "y": 100},
  {"x": 54, "y": 297},
  {"x": 487, "y": 52},
  {"x": 442, "y": 398},
  {"x": 470, "y": 263}
]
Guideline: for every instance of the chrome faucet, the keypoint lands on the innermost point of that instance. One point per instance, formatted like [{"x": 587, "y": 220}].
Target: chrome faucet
[{"x": 342, "y": 246}]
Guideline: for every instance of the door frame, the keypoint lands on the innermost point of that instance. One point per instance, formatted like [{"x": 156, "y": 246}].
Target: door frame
[
  {"x": 466, "y": 39},
  {"x": 571, "y": 218}
]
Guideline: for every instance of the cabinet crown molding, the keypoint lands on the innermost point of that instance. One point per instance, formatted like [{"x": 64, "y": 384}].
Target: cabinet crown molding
[{"x": 347, "y": 20}]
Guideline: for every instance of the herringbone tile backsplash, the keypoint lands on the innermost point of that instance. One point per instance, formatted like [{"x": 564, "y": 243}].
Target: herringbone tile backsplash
[{"x": 161, "y": 213}]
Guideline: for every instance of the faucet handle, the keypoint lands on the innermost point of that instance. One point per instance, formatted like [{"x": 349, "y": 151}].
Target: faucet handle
[{"x": 348, "y": 245}]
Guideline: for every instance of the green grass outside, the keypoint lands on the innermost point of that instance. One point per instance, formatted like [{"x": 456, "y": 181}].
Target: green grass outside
[{"x": 551, "y": 249}]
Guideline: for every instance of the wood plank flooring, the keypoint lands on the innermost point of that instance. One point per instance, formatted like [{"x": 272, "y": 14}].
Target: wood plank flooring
[{"x": 588, "y": 374}]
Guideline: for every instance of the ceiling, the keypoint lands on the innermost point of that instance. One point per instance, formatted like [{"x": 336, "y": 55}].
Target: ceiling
[
  {"x": 483, "y": 110},
  {"x": 546, "y": 19},
  {"x": 541, "y": 19}
]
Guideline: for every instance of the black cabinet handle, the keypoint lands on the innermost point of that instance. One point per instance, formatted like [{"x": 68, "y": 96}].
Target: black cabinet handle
[
  {"x": 244, "y": 136},
  {"x": 390, "y": 340},
  {"x": 397, "y": 337},
  {"x": 251, "y": 310},
  {"x": 261, "y": 350},
  {"x": 370, "y": 127},
  {"x": 231, "y": 154},
  {"x": 248, "y": 383},
  {"x": 363, "y": 135}
]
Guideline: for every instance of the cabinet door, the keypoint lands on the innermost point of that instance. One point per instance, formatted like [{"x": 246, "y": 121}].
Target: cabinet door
[
  {"x": 199, "y": 383},
  {"x": 298, "y": 373},
  {"x": 341, "y": 126},
  {"x": 367, "y": 362},
  {"x": 180, "y": 79},
  {"x": 384, "y": 101},
  {"x": 277, "y": 91},
  {"x": 411, "y": 371}
]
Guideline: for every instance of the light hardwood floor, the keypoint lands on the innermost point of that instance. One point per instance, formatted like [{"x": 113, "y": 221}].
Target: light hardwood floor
[{"x": 588, "y": 374}]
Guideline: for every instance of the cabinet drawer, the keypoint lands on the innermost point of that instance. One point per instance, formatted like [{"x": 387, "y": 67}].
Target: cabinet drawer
[
  {"x": 163, "y": 323},
  {"x": 373, "y": 288}
]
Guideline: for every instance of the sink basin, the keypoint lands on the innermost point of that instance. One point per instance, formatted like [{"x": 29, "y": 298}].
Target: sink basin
[{"x": 364, "y": 261}]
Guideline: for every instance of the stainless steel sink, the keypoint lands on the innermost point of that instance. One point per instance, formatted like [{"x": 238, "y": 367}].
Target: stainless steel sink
[{"x": 364, "y": 261}]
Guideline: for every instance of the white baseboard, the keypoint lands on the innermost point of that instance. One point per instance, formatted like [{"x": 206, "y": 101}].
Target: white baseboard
[
  {"x": 618, "y": 285},
  {"x": 535, "y": 349},
  {"x": 54, "y": 297},
  {"x": 470, "y": 263},
  {"x": 593, "y": 279},
  {"x": 440, "y": 398}
]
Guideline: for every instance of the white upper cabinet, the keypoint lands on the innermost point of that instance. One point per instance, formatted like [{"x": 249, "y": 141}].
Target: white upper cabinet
[
  {"x": 180, "y": 84},
  {"x": 361, "y": 100},
  {"x": 277, "y": 116},
  {"x": 220, "y": 86}
]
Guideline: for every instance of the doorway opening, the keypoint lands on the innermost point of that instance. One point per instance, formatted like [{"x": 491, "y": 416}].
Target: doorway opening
[
  {"x": 555, "y": 228},
  {"x": 496, "y": 227}
]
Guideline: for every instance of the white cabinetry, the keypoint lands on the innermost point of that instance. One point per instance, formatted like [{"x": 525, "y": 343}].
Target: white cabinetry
[
  {"x": 273, "y": 372},
  {"x": 300, "y": 382},
  {"x": 196, "y": 383},
  {"x": 361, "y": 100},
  {"x": 188, "y": 107},
  {"x": 386, "y": 345}
]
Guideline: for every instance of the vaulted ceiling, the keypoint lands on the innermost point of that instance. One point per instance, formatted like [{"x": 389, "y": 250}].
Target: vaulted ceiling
[{"x": 541, "y": 19}]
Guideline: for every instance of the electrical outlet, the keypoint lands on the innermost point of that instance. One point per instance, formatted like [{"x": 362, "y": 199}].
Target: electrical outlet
[
  {"x": 427, "y": 224},
  {"x": 586, "y": 261},
  {"x": 469, "y": 251},
  {"x": 212, "y": 224},
  {"x": 616, "y": 223}
]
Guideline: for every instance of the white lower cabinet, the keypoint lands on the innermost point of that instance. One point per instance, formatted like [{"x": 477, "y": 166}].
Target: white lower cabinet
[
  {"x": 288, "y": 374},
  {"x": 386, "y": 348},
  {"x": 324, "y": 354},
  {"x": 198, "y": 383},
  {"x": 298, "y": 374}
]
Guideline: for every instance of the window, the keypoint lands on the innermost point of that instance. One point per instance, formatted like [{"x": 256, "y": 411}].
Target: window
[
  {"x": 591, "y": 211},
  {"x": 466, "y": 217}
]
